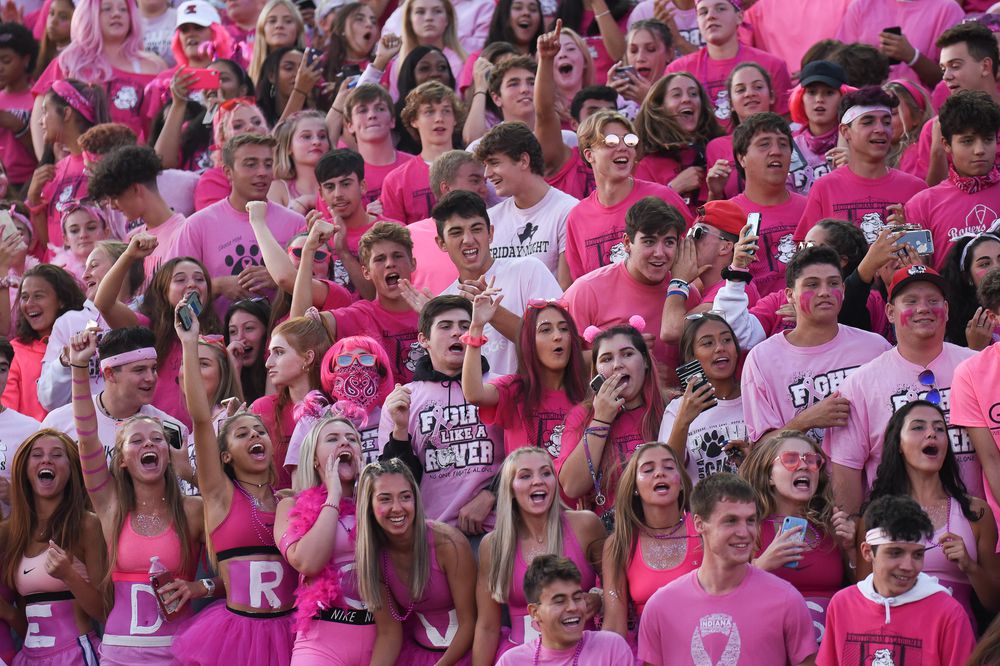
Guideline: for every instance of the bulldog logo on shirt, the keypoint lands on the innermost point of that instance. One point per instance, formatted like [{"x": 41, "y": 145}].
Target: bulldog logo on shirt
[
  {"x": 871, "y": 226},
  {"x": 723, "y": 109},
  {"x": 617, "y": 254},
  {"x": 126, "y": 97},
  {"x": 883, "y": 657},
  {"x": 786, "y": 248}
]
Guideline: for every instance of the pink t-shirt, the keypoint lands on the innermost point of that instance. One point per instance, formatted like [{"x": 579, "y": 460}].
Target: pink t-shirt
[
  {"x": 435, "y": 270},
  {"x": 806, "y": 166},
  {"x": 805, "y": 375},
  {"x": 922, "y": 22},
  {"x": 406, "y": 192},
  {"x": 950, "y": 213},
  {"x": 933, "y": 630},
  {"x": 721, "y": 148},
  {"x": 610, "y": 295},
  {"x": 18, "y": 159},
  {"x": 775, "y": 247},
  {"x": 663, "y": 168},
  {"x": 595, "y": 43},
  {"x": 600, "y": 648},
  {"x": 542, "y": 427},
  {"x": 397, "y": 331},
  {"x": 713, "y": 74},
  {"x": 212, "y": 186},
  {"x": 68, "y": 184},
  {"x": 788, "y": 28},
  {"x": 375, "y": 175},
  {"x": 21, "y": 392},
  {"x": 863, "y": 201},
  {"x": 766, "y": 312},
  {"x": 686, "y": 21},
  {"x": 575, "y": 178},
  {"x": 594, "y": 231},
  {"x": 165, "y": 234},
  {"x": 879, "y": 388},
  {"x": 222, "y": 238},
  {"x": 763, "y": 622}
]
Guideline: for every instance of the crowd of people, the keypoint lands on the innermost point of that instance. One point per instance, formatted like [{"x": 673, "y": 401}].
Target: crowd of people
[{"x": 564, "y": 332}]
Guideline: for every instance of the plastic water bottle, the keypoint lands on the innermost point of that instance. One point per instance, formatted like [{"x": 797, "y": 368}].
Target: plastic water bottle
[{"x": 159, "y": 576}]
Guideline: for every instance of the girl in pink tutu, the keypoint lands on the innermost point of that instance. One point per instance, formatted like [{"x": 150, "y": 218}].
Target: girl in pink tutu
[
  {"x": 315, "y": 531},
  {"x": 406, "y": 562},
  {"x": 52, "y": 554},
  {"x": 143, "y": 515},
  {"x": 235, "y": 473},
  {"x": 531, "y": 520}
]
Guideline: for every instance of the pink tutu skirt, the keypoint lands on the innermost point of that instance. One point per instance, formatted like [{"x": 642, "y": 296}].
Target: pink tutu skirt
[
  {"x": 414, "y": 654},
  {"x": 219, "y": 637},
  {"x": 82, "y": 652}
]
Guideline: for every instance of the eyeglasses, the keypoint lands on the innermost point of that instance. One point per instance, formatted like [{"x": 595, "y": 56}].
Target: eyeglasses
[
  {"x": 320, "y": 255},
  {"x": 364, "y": 358},
  {"x": 927, "y": 379},
  {"x": 695, "y": 316},
  {"x": 790, "y": 460},
  {"x": 612, "y": 140},
  {"x": 542, "y": 303}
]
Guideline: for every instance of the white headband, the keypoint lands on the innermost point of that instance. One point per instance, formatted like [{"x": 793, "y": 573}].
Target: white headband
[
  {"x": 856, "y": 112},
  {"x": 879, "y": 537}
]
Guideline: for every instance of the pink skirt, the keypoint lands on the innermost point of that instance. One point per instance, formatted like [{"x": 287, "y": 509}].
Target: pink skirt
[
  {"x": 82, "y": 652},
  {"x": 414, "y": 654},
  {"x": 218, "y": 637}
]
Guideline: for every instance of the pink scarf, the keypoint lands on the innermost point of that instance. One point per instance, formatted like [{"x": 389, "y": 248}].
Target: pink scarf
[
  {"x": 822, "y": 143},
  {"x": 973, "y": 184},
  {"x": 323, "y": 590}
]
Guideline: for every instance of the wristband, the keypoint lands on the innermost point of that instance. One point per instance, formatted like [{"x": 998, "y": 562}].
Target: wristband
[
  {"x": 24, "y": 130},
  {"x": 336, "y": 110},
  {"x": 479, "y": 92},
  {"x": 736, "y": 274},
  {"x": 916, "y": 57},
  {"x": 479, "y": 341},
  {"x": 38, "y": 208},
  {"x": 604, "y": 13},
  {"x": 679, "y": 282},
  {"x": 82, "y": 367}
]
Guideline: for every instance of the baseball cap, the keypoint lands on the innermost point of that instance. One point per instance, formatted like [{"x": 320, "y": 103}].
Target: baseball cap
[
  {"x": 724, "y": 215},
  {"x": 823, "y": 71},
  {"x": 197, "y": 12},
  {"x": 910, "y": 274}
]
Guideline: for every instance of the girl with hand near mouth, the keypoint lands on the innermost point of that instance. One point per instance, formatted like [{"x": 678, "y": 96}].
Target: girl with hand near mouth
[
  {"x": 786, "y": 473},
  {"x": 551, "y": 381},
  {"x": 704, "y": 426},
  {"x": 653, "y": 541},
  {"x": 235, "y": 475},
  {"x": 917, "y": 460},
  {"x": 316, "y": 532},
  {"x": 52, "y": 554},
  {"x": 966, "y": 264},
  {"x": 648, "y": 49},
  {"x": 302, "y": 140},
  {"x": 417, "y": 569},
  {"x": 603, "y": 433},
  {"x": 246, "y": 332},
  {"x": 531, "y": 521},
  {"x": 143, "y": 514}
]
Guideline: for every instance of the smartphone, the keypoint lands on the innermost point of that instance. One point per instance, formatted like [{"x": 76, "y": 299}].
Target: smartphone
[
  {"x": 596, "y": 383},
  {"x": 895, "y": 30},
  {"x": 194, "y": 302},
  {"x": 186, "y": 317},
  {"x": 753, "y": 219},
  {"x": 919, "y": 239},
  {"x": 622, "y": 71},
  {"x": 791, "y": 522},
  {"x": 205, "y": 79},
  {"x": 173, "y": 434},
  {"x": 694, "y": 372},
  {"x": 311, "y": 55},
  {"x": 7, "y": 226}
]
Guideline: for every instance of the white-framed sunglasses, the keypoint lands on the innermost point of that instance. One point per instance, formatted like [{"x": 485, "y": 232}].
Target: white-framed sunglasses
[{"x": 612, "y": 140}]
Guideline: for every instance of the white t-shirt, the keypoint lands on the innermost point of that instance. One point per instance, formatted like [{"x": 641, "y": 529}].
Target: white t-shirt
[
  {"x": 14, "y": 429},
  {"x": 708, "y": 435},
  {"x": 157, "y": 33},
  {"x": 539, "y": 231},
  {"x": 520, "y": 281},
  {"x": 54, "y": 382}
]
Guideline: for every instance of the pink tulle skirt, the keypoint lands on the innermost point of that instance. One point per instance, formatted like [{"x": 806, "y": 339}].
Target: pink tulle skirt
[
  {"x": 218, "y": 637},
  {"x": 414, "y": 654},
  {"x": 82, "y": 652}
]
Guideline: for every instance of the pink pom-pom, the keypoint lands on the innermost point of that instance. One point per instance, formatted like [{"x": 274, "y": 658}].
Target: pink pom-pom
[
  {"x": 312, "y": 406},
  {"x": 637, "y": 322},
  {"x": 590, "y": 333}
]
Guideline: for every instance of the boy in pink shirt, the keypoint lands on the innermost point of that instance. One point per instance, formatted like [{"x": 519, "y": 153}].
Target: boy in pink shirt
[
  {"x": 726, "y": 611},
  {"x": 975, "y": 394},
  {"x": 795, "y": 376},
  {"x": 862, "y": 191},
  {"x": 762, "y": 147},
  {"x": 719, "y": 22},
  {"x": 558, "y": 606},
  {"x": 968, "y": 200},
  {"x": 898, "y": 614},
  {"x": 369, "y": 118},
  {"x": 429, "y": 425},
  {"x": 920, "y": 366},
  {"x": 431, "y": 111},
  {"x": 595, "y": 226},
  {"x": 220, "y": 236},
  {"x": 19, "y": 48}
]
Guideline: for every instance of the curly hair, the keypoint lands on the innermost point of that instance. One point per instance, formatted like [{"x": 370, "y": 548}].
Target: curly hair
[
  {"x": 512, "y": 139},
  {"x": 901, "y": 517},
  {"x": 121, "y": 169},
  {"x": 969, "y": 111}
]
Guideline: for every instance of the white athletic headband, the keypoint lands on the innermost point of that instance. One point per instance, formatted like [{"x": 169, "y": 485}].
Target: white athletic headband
[
  {"x": 856, "y": 112},
  {"x": 879, "y": 537}
]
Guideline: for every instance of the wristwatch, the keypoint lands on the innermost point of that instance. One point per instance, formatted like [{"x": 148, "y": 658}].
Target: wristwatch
[{"x": 209, "y": 586}]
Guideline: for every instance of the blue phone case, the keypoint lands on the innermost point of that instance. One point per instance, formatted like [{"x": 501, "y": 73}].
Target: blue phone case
[{"x": 792, "y": 522}]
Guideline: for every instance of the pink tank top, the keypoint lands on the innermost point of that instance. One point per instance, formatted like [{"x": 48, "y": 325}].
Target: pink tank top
[
  {"x": 48, "y": 606},
  {"x": 134, "y": 551},
  {"x": 434, "y": 620},
  {"x": 643, "y": 580},
  {"x": 521, "y": 630},
  {"x": 946, "y": 571}
]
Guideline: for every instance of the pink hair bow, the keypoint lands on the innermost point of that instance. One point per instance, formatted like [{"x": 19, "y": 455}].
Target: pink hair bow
[{"x": 635, "y": 321}]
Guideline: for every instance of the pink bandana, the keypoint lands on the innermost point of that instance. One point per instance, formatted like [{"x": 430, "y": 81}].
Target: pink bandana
[
  {"x": 822, "y": 143},
  {"x": 973, "y": 184},
  {"x": 75, "y": 99},
  {"x": 356, "y": 384}
]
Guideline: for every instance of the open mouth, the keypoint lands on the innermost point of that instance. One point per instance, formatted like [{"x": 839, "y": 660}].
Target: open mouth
[
  {"x": 775, "y": 164},
  {"x": 931, "y": 450},
  {"x": 572, "y": 622},
  {"x": 392, "y": 279},
  {"x": 471, "y": 254},
  {"x": 721, "y": 362},
  {"x": 686, "y": 112},
  {"x": 622, "y": 161},
  {"x": 802, "y": 483},
  {"x": 257, "y": 451},
  {"x": 456, "y": 348},
  {"x": 558, "y": 350},
  {"x": 538, "y": 497},
  {"x": 661, "y": 488},
  {"x": 46, "y": 474},
  {"x": 397, "y": 521},
  {"x": 565, "y": 69},
  {"x": 149, "y": 460}
]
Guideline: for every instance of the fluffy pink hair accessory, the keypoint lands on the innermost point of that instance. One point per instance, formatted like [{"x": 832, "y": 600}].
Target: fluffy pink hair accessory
[
  {"x": 637, "y": 322},
  {"x": 590, "y": 333}
]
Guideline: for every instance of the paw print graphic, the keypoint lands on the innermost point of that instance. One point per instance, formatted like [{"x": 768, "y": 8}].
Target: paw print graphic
[
  {"x": 244, "y": 257},
  {"x": 713, "y": 443}
]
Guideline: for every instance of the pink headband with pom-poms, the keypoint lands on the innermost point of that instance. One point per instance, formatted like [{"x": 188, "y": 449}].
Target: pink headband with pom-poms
[{"x": 635, "y": 321}]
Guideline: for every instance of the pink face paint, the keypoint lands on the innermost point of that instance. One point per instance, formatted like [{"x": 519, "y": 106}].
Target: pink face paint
[
  {"x": 805, "y": 300},
  {"x": 905, "y": 315}
]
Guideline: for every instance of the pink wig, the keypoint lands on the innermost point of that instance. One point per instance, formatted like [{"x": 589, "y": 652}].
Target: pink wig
[
  {"x": 84, "y": 57},
  {"x": 221, "y": 45},
  {"x": 369, "y": 345}
]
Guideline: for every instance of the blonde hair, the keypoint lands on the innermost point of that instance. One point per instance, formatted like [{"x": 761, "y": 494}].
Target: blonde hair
[
  {"x": 306, "y": 475},
  {"x": 504, "y": 542},
  {"x": 591, "y": 130},
  {"x": 371, "y": 539},
  {"x": 588, "y": 60},
  {"x": 260, "y": 48},
  {"x": 284, "y": 134},
  {"x": 449, "y": 39}
]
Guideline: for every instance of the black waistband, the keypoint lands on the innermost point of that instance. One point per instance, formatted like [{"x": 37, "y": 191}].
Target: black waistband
[
  {"x": 43, "y": 597},
  {"x": 262, "y": 615},
  {"x": 247, "y": 550},
  {"x": 359, "y": 617}
]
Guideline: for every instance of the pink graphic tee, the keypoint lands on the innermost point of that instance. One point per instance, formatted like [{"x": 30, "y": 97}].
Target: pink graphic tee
[
  {"x": 542, "y": 427},
  {"x": 575, "y": 178},
  {"x": 600, "y": 648},
  {"x": 950, "y": 213},
  {"x": 406, "y": 192},
  {"x": 396, "y": 331},
  {"x": 776, "y": 245}
]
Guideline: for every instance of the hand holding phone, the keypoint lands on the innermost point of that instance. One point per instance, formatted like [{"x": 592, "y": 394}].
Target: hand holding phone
[
  {"x": 753, "y": 219},
  {"x": 790, "y": 523},
  {"x": 204, "y": 79},
  {"x": 894, "y": 30}
]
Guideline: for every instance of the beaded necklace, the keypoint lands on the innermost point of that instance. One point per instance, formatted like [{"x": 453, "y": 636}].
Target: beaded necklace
[
  {"x": 389, "y": 596},
  {"x": 259, "y": 527},
  {"x": 576, "y": 655}
]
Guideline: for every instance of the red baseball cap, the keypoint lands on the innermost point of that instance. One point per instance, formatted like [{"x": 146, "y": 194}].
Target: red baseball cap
[
  {"x": 724, "y": 215},
  {"x": 910, "y": 274}
]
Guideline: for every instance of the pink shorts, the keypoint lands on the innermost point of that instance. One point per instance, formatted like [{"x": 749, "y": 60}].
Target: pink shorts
[{"x": 326, "y": 643}]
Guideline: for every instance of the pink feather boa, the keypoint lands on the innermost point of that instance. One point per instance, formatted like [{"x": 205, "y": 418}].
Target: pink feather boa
[{"x": 323, "y": 590}]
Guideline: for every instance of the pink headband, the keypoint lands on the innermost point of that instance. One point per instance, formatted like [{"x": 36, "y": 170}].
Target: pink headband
[
  {"x": 857, "y": 111},
  {"x": 916, "y": 92},
  {"x": 635, "y": 321},
  {"x": 75, "y": 99},
  {"x": 23, "y": 220},
  {"x": 118, "y": 360}
]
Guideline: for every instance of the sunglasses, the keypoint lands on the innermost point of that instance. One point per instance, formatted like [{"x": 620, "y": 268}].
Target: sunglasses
[
  {"x": 804, "y": 244},
  {"x": 699, "y": 231},
  {"x": 790, "y": 460},
  {"x": 612, "y": 140},
  {"x": 320, "y": 255},
  {"x": 542, "y": 303},
  {"x": 364, "y": 358},
  {"x": 231, "y": 104},
  {"x": 695, "y": 316},
  {"x": 926, "y": 378}
]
